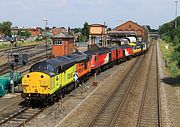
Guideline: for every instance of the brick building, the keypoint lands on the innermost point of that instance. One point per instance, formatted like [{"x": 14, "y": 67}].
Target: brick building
[
  {"x": 62, "y": 44},
  {"x": 97, "y": 34},
  {"x": 141, "y": 32}
]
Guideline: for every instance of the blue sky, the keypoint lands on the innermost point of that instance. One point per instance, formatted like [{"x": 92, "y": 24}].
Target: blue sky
[{"x": 74, "y": 13}]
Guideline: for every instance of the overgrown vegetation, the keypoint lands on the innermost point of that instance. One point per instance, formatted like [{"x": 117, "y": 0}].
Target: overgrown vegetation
[{"x": 171, "y": 37}]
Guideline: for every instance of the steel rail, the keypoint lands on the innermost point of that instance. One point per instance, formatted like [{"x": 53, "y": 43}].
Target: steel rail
[
  {"x": 111, "y": 116},
  {"x": 140, "y": 69},
  {"x": 21, "y": 117},
  {"x": 144, "y": 96},
  {"x": 158, "y": 89}
]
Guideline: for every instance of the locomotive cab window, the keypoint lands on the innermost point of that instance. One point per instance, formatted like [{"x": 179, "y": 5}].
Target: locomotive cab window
[{"x": 44, "y": 67}]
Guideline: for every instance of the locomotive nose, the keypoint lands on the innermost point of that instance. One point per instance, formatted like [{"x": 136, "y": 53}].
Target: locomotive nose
[{"x": 36, "y": 82}]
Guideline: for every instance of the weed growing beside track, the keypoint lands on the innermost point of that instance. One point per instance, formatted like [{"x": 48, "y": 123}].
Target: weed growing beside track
[{"x": 167, "y": 50}]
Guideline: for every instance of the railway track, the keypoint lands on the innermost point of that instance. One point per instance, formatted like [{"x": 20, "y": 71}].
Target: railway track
[
  {"x": 130, "y": 113},
  {"x": 106, "y": 115},
  {"x": 150, "y": 109},
  {"x": 5, "y": 67},
  {"x": 142, "y": 106},
  {"x": 20, "y": 117},
  {"x": 17, "y": 48},
  {"x": 3, "y": 53},
  {"x": 148, "y": 113}
]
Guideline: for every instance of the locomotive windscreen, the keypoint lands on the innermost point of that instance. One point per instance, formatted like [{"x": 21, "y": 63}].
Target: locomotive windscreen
[{"x": 42, "y": 66}]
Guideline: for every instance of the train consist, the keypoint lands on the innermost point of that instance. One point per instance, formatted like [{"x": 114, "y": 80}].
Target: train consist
[{"x": 48, "y": 79}]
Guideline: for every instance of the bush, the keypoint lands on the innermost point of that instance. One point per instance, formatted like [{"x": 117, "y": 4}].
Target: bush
[{"x": 173, "y": 68}]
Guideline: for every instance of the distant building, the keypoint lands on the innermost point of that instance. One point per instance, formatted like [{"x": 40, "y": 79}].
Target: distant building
[
  {"x": 154, "y": 35},
  {"x": 97, "y": 34},
  {"x": 140, "y": 32},
  {"x": 63, "y": 44},
  {"x": 34, "y": 31}
]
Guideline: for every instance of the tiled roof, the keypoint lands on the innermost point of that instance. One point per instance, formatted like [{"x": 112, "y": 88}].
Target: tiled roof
[{"x": 63, "y": 35}]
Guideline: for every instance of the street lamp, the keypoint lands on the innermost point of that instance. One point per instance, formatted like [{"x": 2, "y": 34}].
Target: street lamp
[{"x": 46, "y": 34}]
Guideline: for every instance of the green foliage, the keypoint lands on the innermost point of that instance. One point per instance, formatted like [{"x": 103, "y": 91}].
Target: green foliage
[
  {"x": 77, "y": 30},
  {"x": 166, "y": 38},
  {"x": 149, "y": 29},
  {"x": 173, "y": 68},
  {"x": 172, "y": 57},
  {"x": 82, "y": 38},
  {"x": 38, "y": 39},
  {"x": 109, "y": 29},
  {"x": 171, "y": 35},
  {"x": 85, "y": 30},
  {"x": 5, "y": 28},
  {"x": 176, "y": 40},
  {"x": 24, "y": 33},
  {"x": 2, "y": 46}
]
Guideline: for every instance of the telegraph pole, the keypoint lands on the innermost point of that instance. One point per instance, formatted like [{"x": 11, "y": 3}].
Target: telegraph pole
[{"x": 176, "y": 14}]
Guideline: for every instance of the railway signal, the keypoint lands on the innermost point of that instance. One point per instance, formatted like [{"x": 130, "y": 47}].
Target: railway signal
[
  {"x": 12, "y": 67},
  {"x": 12, "y": 77},
  {"x": 20, "y": 59},
  {"x": 15, "y": 59}
]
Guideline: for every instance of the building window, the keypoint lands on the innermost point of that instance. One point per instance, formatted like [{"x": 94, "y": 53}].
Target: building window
[{"x": 58, "y": 42}]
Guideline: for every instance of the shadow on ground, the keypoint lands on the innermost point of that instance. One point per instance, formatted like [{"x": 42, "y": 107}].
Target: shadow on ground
[{"x": 173, "y": 81}]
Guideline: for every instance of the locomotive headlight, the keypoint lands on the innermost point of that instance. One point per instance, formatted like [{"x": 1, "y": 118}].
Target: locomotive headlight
[{"x": 44, "y": 84}]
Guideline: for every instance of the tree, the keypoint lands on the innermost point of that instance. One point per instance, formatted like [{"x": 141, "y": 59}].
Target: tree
[
  {"x": 109, "y": 29},
  {"x": 171, "y": 35},
  {"x": 149, "y": 28},
  {"x": 5, "y": 28},
  {"x": 85, "y": 30},
  {"x": 77, "y": 30},
  {"x": 24, "y": 33},
  {"x": 53, "y": 27},
  {"x": 63, "y": 28}
]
